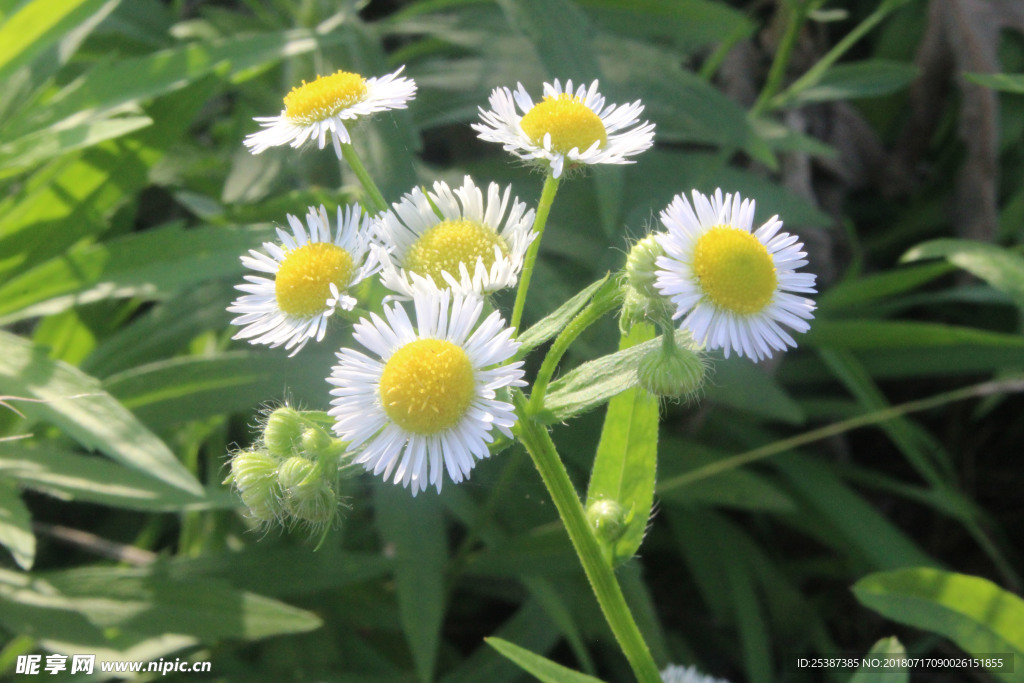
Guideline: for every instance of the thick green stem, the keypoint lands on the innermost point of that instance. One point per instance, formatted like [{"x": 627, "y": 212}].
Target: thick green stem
[
  {"x": 606, "y": 300},
  {"x": 547, "y": 198},
  {"x": 602, "y": 579},
  {"x": 348, "y": 152}
]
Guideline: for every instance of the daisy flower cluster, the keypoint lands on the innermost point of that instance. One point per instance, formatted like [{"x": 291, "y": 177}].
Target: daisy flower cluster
[
  {"x": 426, "y": 395},
  {"x": 427, "y": 383}
]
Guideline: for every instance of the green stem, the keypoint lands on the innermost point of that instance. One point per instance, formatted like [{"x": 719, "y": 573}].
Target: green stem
[
  {"x": 605, "y": 301},
  {"x": 1015, "y": 384},
  {"x": 348, "y": 152},
  {"x": 777, "y": 73},
  {"x": 815, "y": 73},
  {"x": 602, "y": 579},
  {"x": 547, "y": 198}
]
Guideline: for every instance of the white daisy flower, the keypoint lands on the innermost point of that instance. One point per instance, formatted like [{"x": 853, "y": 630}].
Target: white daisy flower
[
  {"x": 732, "y": 284},
  {"x": 310, "y": 275},
  {"x": 312, "y": 110},
  {"x": 429, "y": 404},
  {"x": 687, "y": 674},
  {"x": 566, "y": 128},
  {"x": 474, "y": 247}
]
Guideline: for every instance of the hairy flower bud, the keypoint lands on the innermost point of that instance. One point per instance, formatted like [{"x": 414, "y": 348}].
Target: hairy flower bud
[
  {"x": 641, "y": 301},
  {"x": 607, "y": 519},
  {"x": 283, "y": 433},
  {"x": 672, "y": 372},
  {"x": 254, "y": 474},
  {"x": 318, "y": 508},
  {"x": 641, "y": 266}
]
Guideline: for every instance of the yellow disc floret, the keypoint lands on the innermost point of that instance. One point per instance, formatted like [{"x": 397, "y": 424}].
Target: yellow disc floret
[
  {"x": 324, "y": 97},
  {"x": 303, "y": 282},
  {"x": 572, "y": 124},
  {"x": 449, "y": 243},
  {"x": 427, "y": 386},
  {"x": 735, "y": 270}
]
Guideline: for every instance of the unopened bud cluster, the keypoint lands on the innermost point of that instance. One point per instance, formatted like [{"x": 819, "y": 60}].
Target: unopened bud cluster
[
  {"x": 290, "y": 477},
  {"x": 641, "y": 299}
]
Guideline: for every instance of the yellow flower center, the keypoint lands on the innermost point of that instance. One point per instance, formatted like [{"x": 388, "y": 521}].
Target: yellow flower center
[
  {"x": 324, "y": 97},
  {"x": 427, "y": 386},
  {"x": 571, "y": 123},
  {"x": 735, "y": 270},
  {"x": 449, "y": 243},
  {"x": 303, "y": 282}
]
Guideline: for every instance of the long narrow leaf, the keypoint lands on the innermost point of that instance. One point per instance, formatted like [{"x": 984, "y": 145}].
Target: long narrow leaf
[
  {"x": 973, "y": 612},
  {"x": 626, "y": 462},
  {"x": 77, "y": 404}
]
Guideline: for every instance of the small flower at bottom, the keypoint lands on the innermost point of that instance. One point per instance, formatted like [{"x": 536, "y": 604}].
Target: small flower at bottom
[
  {"x": 474, "y": 247},
  {"x": 429, "y": 404},
  {"x": 734, "y": 285},
  {"x": 687, "y": 674},
  {"x": 312, "y": 110},
  {"x": 312, "y": 274},
  {"x": 565, "y": 128}
]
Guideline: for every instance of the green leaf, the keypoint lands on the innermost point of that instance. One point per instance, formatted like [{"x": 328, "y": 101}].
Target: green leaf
[
  {"x": 593, "y": 383},
  {"x": 865, "y": 290},
  {"x": 886, "y": 648},
  {"x": 91, "y": 604},
  {"x": 1012, "y": 83},
  {"x": 998, "y": 266},
  {"x": 35, "y": 26},
  {"x": 529, "y": 625},
  {"x": 91, "y": 479},
  {"x": 415, "y": 528},
  {"x": 34, "y": 148},
  {"x": 627, "y": 458},
  {"x": 540, "y": 667},
  {"x": 16, "y": 525},
  {"x": 555, "y": 322},
  {"x": 868, "y": 78},
  {"x": 736, "y": 488},
  {"x": 685, "y": 24},
  {"x": 152, "y": 264},
  {"x": 976, "y": 614},
  {"x": 560, "y": 33},
  {"x": 897, "y": 334},
  {"x": 177, "y": 390},
  {"x": 845, "y": 520},
  {"x": 108, "y": 86},
  {"x": 75, "y": 402},
  {"x": 741, "y": 384}
]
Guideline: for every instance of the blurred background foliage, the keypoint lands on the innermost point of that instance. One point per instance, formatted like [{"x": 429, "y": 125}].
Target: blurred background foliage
[{"x": 127, "y": 198}]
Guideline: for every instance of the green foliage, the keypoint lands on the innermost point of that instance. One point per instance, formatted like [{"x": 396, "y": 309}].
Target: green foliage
[
  {"x": 883, "y": 452},
  {"x": 974, "y": 613}
]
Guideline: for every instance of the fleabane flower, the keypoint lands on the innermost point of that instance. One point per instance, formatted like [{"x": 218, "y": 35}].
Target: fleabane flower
[
  {"x": 476, "y": 246},
  {"x": 312, "y": 110},
  {"x": 687, "y": 674},
  {"x": 307, "y": 277},
  {"x": 427, "y": 402},
  {"x": 735, "y": 286},
  {"x": 566, "y": 128}
]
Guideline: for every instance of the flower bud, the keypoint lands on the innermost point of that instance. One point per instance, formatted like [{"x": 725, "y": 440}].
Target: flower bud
[
  {"x": 607, "y": 519},
  {"x": 315, "y": 442},
  {"x": 641, "y": 300},
  {"x": 254, "y": 474},
  {"x": 672, "y": 372},
  {"x": 299, "y": 477},
  {"x": 318, "y": 508},
  {"x": 283, "y": 432},
  {"x": 641, "y": 266}
]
